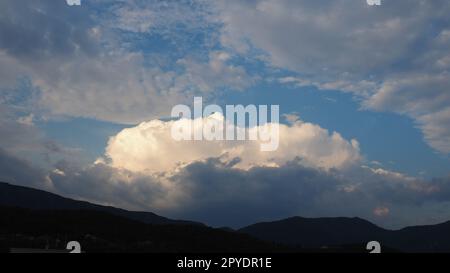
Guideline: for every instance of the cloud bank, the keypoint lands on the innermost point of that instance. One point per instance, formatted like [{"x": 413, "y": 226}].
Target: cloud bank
[{"x": 212, "y": 192}]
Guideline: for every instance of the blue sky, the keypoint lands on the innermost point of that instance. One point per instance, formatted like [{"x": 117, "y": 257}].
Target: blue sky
[{"x": 82, "y": 90}]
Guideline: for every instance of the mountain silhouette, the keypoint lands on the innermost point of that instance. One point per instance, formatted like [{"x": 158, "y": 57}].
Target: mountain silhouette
[
  {"x": 308, "y": 232},
  {"x": 24, "y": 197},
  {"x": 329, "y": 232},
  {"x": 34, "y": 218}
]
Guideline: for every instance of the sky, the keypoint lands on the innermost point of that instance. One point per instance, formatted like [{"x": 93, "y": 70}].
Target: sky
[{"x": 86, "y": 94}]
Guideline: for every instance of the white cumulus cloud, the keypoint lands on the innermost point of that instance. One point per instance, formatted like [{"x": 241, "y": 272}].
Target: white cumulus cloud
[{"x": 149, "y": 147}]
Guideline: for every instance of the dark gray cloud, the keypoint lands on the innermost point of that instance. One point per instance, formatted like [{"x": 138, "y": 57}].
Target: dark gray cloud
[
  {"x": 216, "y": 194},
  {"x": 223, "y": 195},
  {"x": 40, "y": 29},
  {"x": 20, "y": 137},
  {"x": 16, "y": 171}
]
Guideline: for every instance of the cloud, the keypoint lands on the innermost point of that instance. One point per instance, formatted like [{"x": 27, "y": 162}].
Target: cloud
[
  {"x": 20, "y": 172},
  {"x": 424, "y": 97},
  {"x": 150, "y": 147},
  {"x": 156, "y": 17},
  {"x": 21, "y": 137},
  {"x": 115, "y": 88},
  {"x": 392, "y": 58},
  {"x": 42, "y": 29},
  {"x": 217, "y": 72},
  {"x": 381, "y": 211},
  {"x": 322, "y": 37},
  {"x": 121, "y": 88}
]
